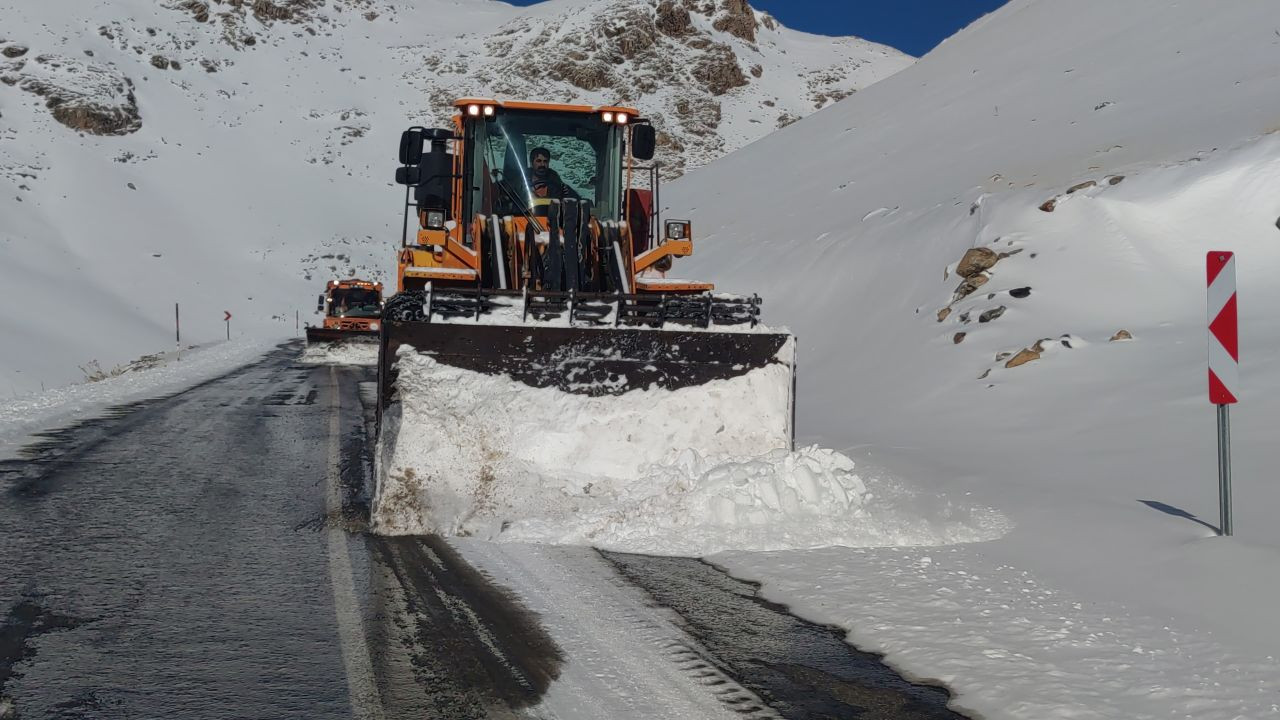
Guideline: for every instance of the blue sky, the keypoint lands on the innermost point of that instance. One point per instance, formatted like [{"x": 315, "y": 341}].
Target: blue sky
[{"x": 912, "y": 26}]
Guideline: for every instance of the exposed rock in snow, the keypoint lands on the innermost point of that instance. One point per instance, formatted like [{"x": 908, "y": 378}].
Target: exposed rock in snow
[
  {"x": 88, "y": 97},
  {"x": 976, "y": 260},
  {"x": 971, "y": 284},
  {"x": 1023, "y": 357},
  {"x": 736, "y": 18}
]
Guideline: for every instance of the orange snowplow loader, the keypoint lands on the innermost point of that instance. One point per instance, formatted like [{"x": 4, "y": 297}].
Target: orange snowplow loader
[{"x": 352, "y": 310}]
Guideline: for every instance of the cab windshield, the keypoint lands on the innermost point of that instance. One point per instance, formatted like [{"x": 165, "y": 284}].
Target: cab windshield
[
  {"x": 585, "y": 162},
  {"x": 355, "y": 302}
]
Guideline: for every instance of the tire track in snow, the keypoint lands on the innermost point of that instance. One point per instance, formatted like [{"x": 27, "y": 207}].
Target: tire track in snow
[
  {"x": 476, "y": 650},
  {"x": 627, "y": 656}
]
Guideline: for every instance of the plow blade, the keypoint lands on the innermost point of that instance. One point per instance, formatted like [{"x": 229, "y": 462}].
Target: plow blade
[
  {"x": 584, "y": 360},
  {"x": 317, "y": 335}
]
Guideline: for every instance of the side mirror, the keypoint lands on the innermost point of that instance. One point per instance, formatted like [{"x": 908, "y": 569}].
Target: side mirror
[
  {"x": 411, "y": 146},
  {"x": 320, "y": 304},
  {"x": 435, "y": 179},
  {"x": 644, "y": 140}
]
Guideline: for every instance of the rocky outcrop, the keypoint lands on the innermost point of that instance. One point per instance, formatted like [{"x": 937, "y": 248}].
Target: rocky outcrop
[
  {"x": 717, "y": 69},
  {"x": 691, "y": 66},
  {"x": 689, "y": 53},
  {"x": 970, "y": 285},
  {"x": 992, "y": 314},
  {"x": 199, "y": 10},
  {"x": 673, "y": 20},
  {"x": 287, "y": 10},
  {"x": 87, "y": 97},
  {"x": 1023, "y": 357},
  {"x": 976, "y": 260},
  {"x": 736, "y": 18},
  {"x": 1034, "y": 352}
]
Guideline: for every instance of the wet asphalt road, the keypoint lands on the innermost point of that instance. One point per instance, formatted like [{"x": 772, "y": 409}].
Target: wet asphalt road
[
  {"x": 204, "y": 556},
  {"x": 170, "y": 547}
]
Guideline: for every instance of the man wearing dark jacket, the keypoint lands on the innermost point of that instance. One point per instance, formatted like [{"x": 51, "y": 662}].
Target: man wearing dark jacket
[{"x": 544, "y": 183}]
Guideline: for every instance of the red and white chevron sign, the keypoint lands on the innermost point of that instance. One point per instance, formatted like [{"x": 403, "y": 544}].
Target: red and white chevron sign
[{"x": 1224, "y": 336}]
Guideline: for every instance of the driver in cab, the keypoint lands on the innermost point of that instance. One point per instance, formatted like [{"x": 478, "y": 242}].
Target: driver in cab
[{"x": 545, "y": 184}]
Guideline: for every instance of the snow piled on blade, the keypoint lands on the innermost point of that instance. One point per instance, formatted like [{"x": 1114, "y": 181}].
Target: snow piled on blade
[
  {"x": 340, "y": 353},
  {"x": 688, "y": 472}
]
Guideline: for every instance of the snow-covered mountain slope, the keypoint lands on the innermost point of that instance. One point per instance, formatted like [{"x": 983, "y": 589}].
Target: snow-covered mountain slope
[
  {"x": 1097, "y": 150},
  {"x": 230, "y": 155}
]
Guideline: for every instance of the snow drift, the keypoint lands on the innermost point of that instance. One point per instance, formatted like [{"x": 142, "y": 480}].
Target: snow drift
[{"x": 688, "y": 471}]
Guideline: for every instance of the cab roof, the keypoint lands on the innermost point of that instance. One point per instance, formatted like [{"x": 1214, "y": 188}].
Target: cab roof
[
  {"x": 354, "y": 283},
  {"x": 545, "y": 106}
]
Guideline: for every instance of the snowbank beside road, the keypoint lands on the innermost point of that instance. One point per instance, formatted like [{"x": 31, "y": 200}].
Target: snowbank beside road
[
  {"x": 689, "y": 471},
  {"x": 1010, "y": 645},
  {"x": 1088, "y": 153},
  {"x": 697, "y": 505},
  {"x": 21, "y": 417}
]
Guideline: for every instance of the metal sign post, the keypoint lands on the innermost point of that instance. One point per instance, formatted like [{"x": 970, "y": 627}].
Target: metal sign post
[
  {"x": 177, "y": 330},
  {"x": 227, "y": 320},
  {"x": 1224, "y": 367}
]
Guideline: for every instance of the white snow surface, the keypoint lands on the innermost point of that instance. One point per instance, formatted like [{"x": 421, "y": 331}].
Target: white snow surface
[
  {"x": 340, "y": 353},
  {"x": 1013, "y": 646},
  {"x": 1109, "y": 597},
  {"x": 20, "y": 417},
  {"x": 690, "y": 471}
]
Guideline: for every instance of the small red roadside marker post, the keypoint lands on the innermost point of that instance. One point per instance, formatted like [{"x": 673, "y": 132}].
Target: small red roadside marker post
[
  {"x": 1224, "y": 367},
  {"x": 227, "y": 320}
]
